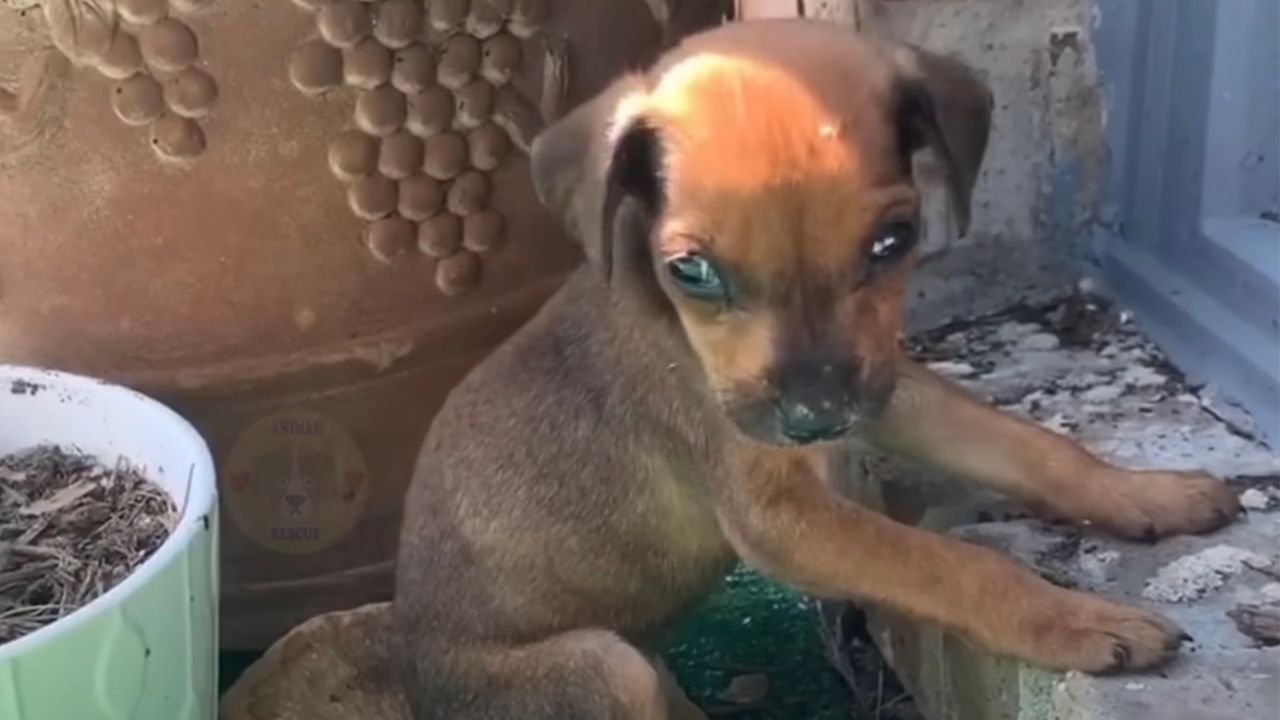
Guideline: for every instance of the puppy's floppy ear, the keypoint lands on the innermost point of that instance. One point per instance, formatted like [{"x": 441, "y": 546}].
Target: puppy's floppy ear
[
  {"x": 598, "y": 169},
  {"x": 947, "y": 107}
]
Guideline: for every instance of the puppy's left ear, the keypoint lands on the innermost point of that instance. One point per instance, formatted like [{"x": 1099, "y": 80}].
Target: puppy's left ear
[
  {"x": 598, "y": 169},
  {"x": 947, "y": 107}
]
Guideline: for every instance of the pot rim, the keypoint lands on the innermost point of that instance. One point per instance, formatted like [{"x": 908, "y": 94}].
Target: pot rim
[{"x": 196, "y": 496}]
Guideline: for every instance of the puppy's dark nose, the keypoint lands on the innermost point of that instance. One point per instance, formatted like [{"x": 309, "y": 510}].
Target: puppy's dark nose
[
  {"x": 813, "y": 420},
  {"x": 814, "y": 400}
]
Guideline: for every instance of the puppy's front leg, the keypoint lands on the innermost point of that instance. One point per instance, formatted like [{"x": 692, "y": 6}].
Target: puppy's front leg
[
  {"x": 935, "y": 421},
  {"x": 780, "y": 518}
]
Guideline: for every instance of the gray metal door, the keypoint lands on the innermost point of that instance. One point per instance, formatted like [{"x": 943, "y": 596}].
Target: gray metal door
[{"x": 1190, "y": 228}]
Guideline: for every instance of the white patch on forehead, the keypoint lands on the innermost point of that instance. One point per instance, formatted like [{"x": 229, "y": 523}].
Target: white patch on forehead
[{"x": 629, "y": 108}]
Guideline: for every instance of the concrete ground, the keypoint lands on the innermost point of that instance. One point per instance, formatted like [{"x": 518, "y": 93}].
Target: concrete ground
[{"x": 1084, "y": 370}]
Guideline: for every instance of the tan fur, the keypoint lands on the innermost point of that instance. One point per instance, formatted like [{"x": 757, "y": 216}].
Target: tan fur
[{"x": 596, "y": 477}]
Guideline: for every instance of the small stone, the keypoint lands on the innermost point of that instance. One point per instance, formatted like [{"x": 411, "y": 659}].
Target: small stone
[
  {"x": 953, "y": 369},
  {"x": 1098, "y": 566},
  {"x": 1261, "y": 623},
  {"x": 1143, "y": 376},
  {"x": 1012, "y": 332},
  {"x": 1255, "y": 499},
  {"x": 1040, "y": 341},
  {"x": 1102, "y": 393},
  {"x": 1271, "y": 592}
]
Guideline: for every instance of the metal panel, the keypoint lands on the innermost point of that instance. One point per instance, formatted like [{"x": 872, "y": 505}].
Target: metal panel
[{"x": 1190, "y": 236}]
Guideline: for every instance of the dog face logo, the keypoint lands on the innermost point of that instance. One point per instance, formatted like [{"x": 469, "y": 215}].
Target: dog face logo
[
  {"x": 295, "y": 482},
  {"x": 759, "y": 190}
]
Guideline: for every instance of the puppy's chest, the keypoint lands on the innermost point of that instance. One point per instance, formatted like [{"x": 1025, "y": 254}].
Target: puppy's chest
[{"x": 680, "y": 513}]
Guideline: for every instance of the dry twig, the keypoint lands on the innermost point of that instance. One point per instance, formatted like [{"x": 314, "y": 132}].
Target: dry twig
[{"x": 70, "y": 530}]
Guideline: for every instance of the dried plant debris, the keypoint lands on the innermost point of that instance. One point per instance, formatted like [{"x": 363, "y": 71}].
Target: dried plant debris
[
  {"x": 71, "y": 528},
  {"x": 877, "y": 691}
]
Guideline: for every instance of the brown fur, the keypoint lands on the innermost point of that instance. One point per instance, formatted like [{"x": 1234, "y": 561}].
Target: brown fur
[{"x": 598, "y": 474}]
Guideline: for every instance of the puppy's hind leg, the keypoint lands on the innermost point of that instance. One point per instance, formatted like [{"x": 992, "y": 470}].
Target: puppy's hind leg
[{"x": 579, "y": 675}]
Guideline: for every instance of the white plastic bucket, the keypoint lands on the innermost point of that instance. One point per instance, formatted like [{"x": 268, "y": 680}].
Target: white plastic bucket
[{"x": 147, "y": 648}]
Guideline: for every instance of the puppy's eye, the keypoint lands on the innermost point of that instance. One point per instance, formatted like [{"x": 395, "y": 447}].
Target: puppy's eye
[
  {"x": 697, "y": 277},
  {"x": 893, "y": 241}
]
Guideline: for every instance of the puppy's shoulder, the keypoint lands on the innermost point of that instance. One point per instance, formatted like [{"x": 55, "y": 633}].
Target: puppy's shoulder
[{"x": 557, "y": 371}]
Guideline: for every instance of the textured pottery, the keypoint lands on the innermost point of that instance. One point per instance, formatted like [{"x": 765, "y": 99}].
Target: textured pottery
[{"x": 299, "y": 223}]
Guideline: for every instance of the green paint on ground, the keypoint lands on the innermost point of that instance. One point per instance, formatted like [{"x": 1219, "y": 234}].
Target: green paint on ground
[{"x": 757, "y": 626}]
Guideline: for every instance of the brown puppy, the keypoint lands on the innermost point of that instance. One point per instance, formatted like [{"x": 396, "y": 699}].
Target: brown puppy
[{"x": 749, "y": 217}]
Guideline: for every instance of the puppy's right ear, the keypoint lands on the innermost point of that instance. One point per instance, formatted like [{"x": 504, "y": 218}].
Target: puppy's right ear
[
  {"x": 587, "y": 166},
  {"x": 948, "y": 107}
]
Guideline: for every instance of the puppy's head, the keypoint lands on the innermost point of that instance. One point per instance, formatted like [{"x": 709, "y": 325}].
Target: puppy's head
[{"x": 755, "y": 188}]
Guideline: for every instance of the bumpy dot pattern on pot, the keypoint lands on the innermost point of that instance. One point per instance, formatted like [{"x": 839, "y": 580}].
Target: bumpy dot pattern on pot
[
  {"x": 152, "y": 56},
  {"x": 431, "y": 82}
]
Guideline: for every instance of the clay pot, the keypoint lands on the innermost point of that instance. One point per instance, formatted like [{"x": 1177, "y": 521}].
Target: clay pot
[{"x": 244, "y": 210}]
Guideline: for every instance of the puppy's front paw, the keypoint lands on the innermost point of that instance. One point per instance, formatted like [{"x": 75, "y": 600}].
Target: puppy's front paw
[
  {"x": 1148, "y": 505},
  {"x": 1089, "y": 634}
]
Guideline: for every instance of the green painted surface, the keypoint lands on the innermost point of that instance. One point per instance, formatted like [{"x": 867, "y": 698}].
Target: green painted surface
[{"x": 755, "y": 625}]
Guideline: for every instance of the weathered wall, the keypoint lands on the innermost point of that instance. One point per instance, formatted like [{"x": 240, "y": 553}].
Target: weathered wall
[{"x": 1045, "y": 163}]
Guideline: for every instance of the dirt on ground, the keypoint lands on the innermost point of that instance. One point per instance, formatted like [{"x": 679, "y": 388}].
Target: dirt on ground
[{"x": 71, "y": 528}]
